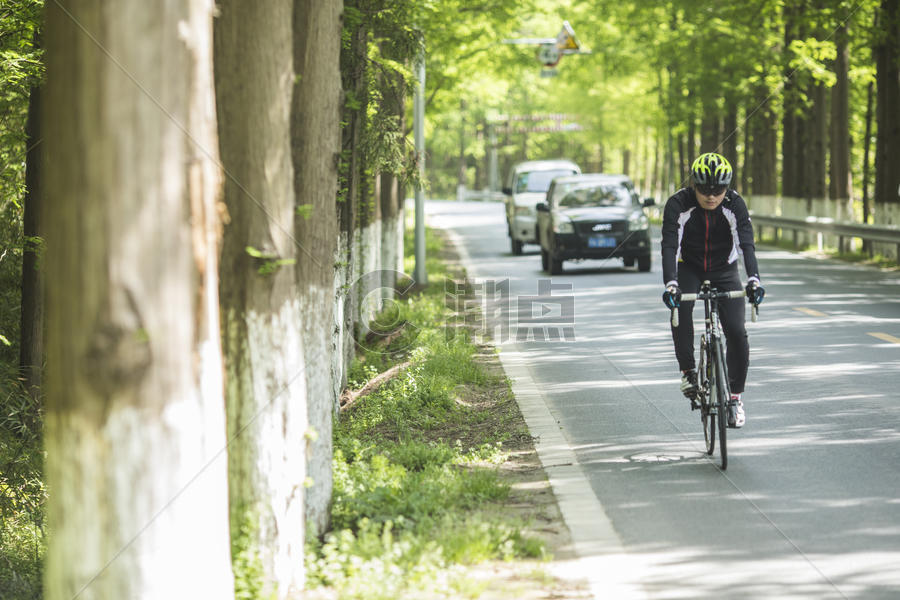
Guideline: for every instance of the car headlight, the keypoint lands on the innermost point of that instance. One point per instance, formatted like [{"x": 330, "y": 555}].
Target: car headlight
[
  {"x": 638, "y": 221},
  {"x": 523, "y": 211},
  {"x": 563, "y": 226}
]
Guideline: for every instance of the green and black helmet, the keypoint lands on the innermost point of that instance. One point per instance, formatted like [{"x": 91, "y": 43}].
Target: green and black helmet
[{"x": 711, "y": 170}]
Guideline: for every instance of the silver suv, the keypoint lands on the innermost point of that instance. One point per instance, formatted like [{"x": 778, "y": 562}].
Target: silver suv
[{"x": 527, "y": 185}]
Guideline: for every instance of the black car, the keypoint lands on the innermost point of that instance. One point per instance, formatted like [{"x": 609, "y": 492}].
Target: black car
[{"x": 593, "y": 216}]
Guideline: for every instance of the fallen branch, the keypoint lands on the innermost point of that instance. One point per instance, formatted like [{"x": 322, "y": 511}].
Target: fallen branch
[{"x": 349, "y": 397}]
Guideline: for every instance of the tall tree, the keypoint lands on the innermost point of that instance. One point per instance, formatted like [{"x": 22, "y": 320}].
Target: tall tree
[
  {"x": 31, "y": 338},
  {"x": 792, "y": 121},
  {"x": 815, "y": 130},
  {"x": 266, "y": 392},
  {"x": 135, "y": 418},
  {"x": 839, "y": 131},
  {"x": 762, "y": 154},
  {"x": 710, "y": 126},
  {"x": 815, "y": 144},
  {"x": 21, "y": 72},
  {"x": 351, "y": 174},
  {"x": 315, "y": 147},
  {"x": 887, "y": 116}
]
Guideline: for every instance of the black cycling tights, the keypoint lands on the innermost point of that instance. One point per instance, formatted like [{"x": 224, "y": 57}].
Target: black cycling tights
[{"x": 731, "y": 314}]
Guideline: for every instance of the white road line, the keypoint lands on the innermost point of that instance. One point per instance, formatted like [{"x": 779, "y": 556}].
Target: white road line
[{"x": 602, "y": 560}]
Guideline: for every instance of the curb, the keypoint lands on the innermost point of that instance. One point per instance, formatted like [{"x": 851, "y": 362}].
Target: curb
[{"x": 601, "y": 560}]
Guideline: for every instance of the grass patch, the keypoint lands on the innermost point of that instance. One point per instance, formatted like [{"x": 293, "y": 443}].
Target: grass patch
[
  {"x": 418, "y": 489},
  {"x": 876, "y": 260},
  {"x": 859, "y": 257}
]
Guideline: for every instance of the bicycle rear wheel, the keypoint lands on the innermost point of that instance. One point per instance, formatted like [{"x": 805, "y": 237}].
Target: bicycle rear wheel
[
  {"x": 707, "y": 416},
  {"x": 721, "y": 399}
]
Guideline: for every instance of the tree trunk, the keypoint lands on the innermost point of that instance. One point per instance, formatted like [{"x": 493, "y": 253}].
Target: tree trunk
[
  {"x": 730, "y": 137},
  {"x": 135, "y": 420},
  {"x": 353, "y": 73},
  {"x": 31, "y": 337},
  {"x": 816, "y": 136},
  {"x": 710, "y": 130},
  {"x": 791, "y": 144},
  {"x": 315, "y": 137},
  {"x": 691, "y": 141},
  {"x": 461, "y": 159},
  {"x": 763, "y": 164},
  {"x": 745, "y": 177},
  {"x": 839, "y": 188},
  {"x": 262, "y": 313},
  {"x": 394, "y": 103},
  {"x": 887, "y": 116},
  {"x": 867, "y": 144}
]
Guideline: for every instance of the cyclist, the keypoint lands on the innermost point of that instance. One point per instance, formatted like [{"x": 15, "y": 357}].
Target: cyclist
[{"x": 706, "y": 228}]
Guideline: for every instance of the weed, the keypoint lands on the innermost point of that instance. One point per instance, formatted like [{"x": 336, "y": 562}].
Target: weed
[
  {"x": 246, "y": 561},
  {"x": 411, "y": 500},
  {"x": 22, "y": 492}
]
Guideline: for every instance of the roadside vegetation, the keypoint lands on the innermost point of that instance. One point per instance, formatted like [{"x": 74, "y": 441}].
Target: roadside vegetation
[
  {"x": 22, "y": 492},
  {"x": 873, "y": 259},
  {"x": 420, "y": 487}
]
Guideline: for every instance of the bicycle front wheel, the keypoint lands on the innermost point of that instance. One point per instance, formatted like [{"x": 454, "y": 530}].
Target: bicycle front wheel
[
  {"x": 721, "y": 399},
  {"x": 707, "y": 416}
]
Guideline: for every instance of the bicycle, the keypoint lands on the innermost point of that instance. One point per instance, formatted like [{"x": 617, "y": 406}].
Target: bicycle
[{"x": 713, "y": 394}]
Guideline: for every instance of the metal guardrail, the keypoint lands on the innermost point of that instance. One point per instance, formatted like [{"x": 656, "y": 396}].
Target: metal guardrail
[{"x": 872, "y": 233}]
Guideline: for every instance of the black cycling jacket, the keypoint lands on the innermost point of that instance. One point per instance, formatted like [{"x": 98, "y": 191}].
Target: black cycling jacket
[{"x": 706, "y": 240}]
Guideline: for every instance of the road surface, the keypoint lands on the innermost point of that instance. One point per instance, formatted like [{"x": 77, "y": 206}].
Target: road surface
[{"x": 810, "y": 504}]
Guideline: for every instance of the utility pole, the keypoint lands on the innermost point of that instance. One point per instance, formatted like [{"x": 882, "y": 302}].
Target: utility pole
[{"x": 420, "y": 275}]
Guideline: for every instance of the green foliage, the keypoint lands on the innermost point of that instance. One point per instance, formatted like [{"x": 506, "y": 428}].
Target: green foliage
[
  {"x": 245, "y": 559},
  {"x": 22, "y": 491},
  {"x": 378, "y": 46},
  {"x": 655, "y": 69},
  {"x": 268, "y": 261},
  {"x": 20, "y": 70},
  {"x": 379, "y": 487}
]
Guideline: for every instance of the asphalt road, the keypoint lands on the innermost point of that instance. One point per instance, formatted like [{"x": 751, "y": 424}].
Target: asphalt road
[{"x": 810, "y": 504}]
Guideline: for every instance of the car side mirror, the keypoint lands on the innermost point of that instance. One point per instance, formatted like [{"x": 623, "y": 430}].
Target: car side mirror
[
  {"x": 542, "y": 207},
  {"x": 507, "y": 191},
  {"x": 648, "y": 202}
]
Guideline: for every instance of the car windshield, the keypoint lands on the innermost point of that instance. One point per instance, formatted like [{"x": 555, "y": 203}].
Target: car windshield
[
  {"x": 539, "y": 181},
  {"x": 576, "y": 195}
]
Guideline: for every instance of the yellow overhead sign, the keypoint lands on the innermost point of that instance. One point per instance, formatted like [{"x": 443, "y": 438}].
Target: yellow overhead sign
[{"x": 566, "y": 39}]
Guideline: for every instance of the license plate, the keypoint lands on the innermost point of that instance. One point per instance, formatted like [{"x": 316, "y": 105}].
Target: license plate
[{"x": 601, "y": 241}]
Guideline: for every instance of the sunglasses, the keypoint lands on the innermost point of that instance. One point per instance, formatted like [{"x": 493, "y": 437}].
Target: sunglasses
[{"x": 711, "y": 190}]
